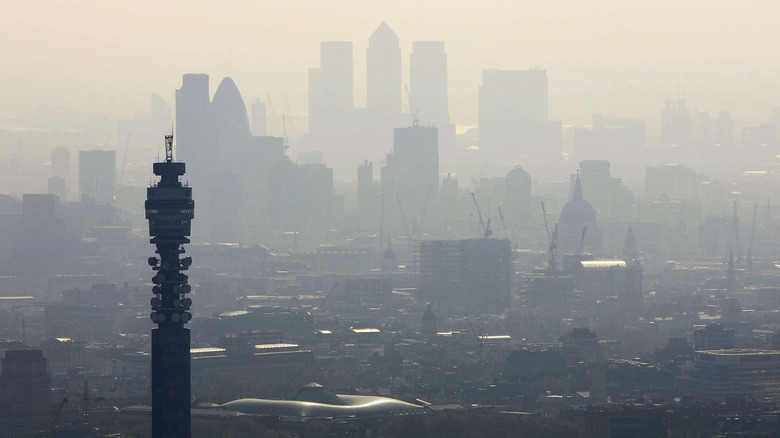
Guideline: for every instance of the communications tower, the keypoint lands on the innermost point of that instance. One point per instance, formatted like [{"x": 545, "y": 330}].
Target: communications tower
[{"x": 169, "y": 209}]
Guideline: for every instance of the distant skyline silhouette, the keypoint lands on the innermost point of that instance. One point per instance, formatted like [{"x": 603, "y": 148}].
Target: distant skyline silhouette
[{"x": 103, "y": 61}]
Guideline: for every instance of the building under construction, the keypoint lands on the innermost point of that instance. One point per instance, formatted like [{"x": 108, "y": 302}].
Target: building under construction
[{"x": 466, "y": 276}]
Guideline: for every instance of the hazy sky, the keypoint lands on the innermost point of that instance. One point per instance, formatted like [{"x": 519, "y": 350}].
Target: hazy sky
[{"x": 617, "y": 57}]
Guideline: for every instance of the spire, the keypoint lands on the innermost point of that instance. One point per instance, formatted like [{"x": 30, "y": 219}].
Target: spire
[
  {"x": 577, "y": 189},
  {"x": 629, "y": 244},
  {"x": 731, "y": 274}
]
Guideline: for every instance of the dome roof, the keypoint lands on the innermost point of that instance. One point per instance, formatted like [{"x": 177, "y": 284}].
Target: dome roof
[
  {"x": 518, "y": 182},
  {"x": 518, "y": 174},
  {"x": 578, "y": 210}
]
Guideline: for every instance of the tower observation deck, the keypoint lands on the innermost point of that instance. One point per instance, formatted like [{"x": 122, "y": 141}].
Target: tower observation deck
[{"x": 169, "y": 209}]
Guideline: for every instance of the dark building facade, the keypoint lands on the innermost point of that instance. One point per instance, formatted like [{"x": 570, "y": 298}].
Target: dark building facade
[
  {"x": 466, "y": 275},
  {"x": 25, "y": 385}
]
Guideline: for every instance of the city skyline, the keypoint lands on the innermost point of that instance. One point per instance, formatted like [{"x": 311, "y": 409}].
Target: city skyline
[{"x": 606, "y": 57}]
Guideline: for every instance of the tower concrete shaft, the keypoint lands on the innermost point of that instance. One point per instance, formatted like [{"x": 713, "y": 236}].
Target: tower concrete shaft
[{"x": 169, "y": 209}]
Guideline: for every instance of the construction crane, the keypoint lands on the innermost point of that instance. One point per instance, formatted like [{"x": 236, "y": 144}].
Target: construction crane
[
  {"x": 284, "y": 131},
  {"x": 382, "y": 223},
  {"x": 425, "y": 210},
  {"x": 328, "y": 295},
  {"x": 582, "y": 240},
  {"x": 124, "y": 160},
  {"x": 412, "y": 109},
  {"x": 56, "y": 416},
  {"x": 403, "y": 216},
  {"x": 271, "y": 107},
  {"x": 552, "y": 263},
  {"x": 485, "y": 228},
  {"x": 546, "y": 227},
  {"x": 478, "y": 342},
  {"x": 736, "y": 231},
  {"x": 501, "y": 215},
  {"x": 286, "y": 103},
  {"x": 752, "y": 237}
]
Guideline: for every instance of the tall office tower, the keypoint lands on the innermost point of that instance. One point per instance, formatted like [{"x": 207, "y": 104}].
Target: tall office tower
[
  {"x": 192, "y": 127},
  {"x": 60, "y": 162},
  {"x": 596, "y": 185},
  {"x": 428, "y": 82},
  {"x": 612, "y": 200},
  {"x": 330, "y": 89},
  {"x": 383, "y": 78},
  {"x": 513, "y": 115},
  {"x": 60, "y": 172},
  {"x": 259, "y": 159},
  {"x": 412, "y": 170},
  {"x": 614, "y": 137},
  {"x": 723, "y": 132},
  {"x": 675, "y": 124},
  {"x": 259, "y": 124},
  {"x": 212, "y": 138},
  {"x": 365, "y": 184},
  {"x": 97, "y": 176},
  {"x": 232, "y": 134},
  {"x": 671, "y": 180},
  {"x": 231, "y": 122},
  {"x": 316, "y": 109},
  {"x": 169, "y": 209},
  {"x": 40, "y": 242},
  {"x": 336, "y": 75}
]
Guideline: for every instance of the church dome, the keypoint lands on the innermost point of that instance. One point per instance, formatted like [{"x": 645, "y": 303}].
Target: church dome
[
  {"x": 578, "y": 210},
  {"x": 518, "y": 175}
]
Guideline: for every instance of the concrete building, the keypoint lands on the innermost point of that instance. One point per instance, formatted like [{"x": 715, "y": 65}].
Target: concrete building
[
  {"x": 428, "y": 82},
  {"x": 368, "y": 290},
  {"x": 411, "y": 174},
  {"x": 596, "y": 182},
  {"x": 672, "y": 181},
  {"x": 259, "y": 124},
  {"x": 97, "y": 176},
  {"x": 611, "y": 199},
  {"x": 330, "y": 89},
  {"x": 513, "y": 107},
  {"x": 620, "y": 421},
  {"x": 466, "y": 276},
  {"x": 714, "y": 337},
  {"x": 60, "y": 172},
  {"x": 41, "y": 243},
  {"x": 722, "y": 374},
  {"x": 192, "y": 123},
  {"x": 675, "y": 124},
  {"x": 25, "y": 385},
  {"x": 613, "y": 137}
]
